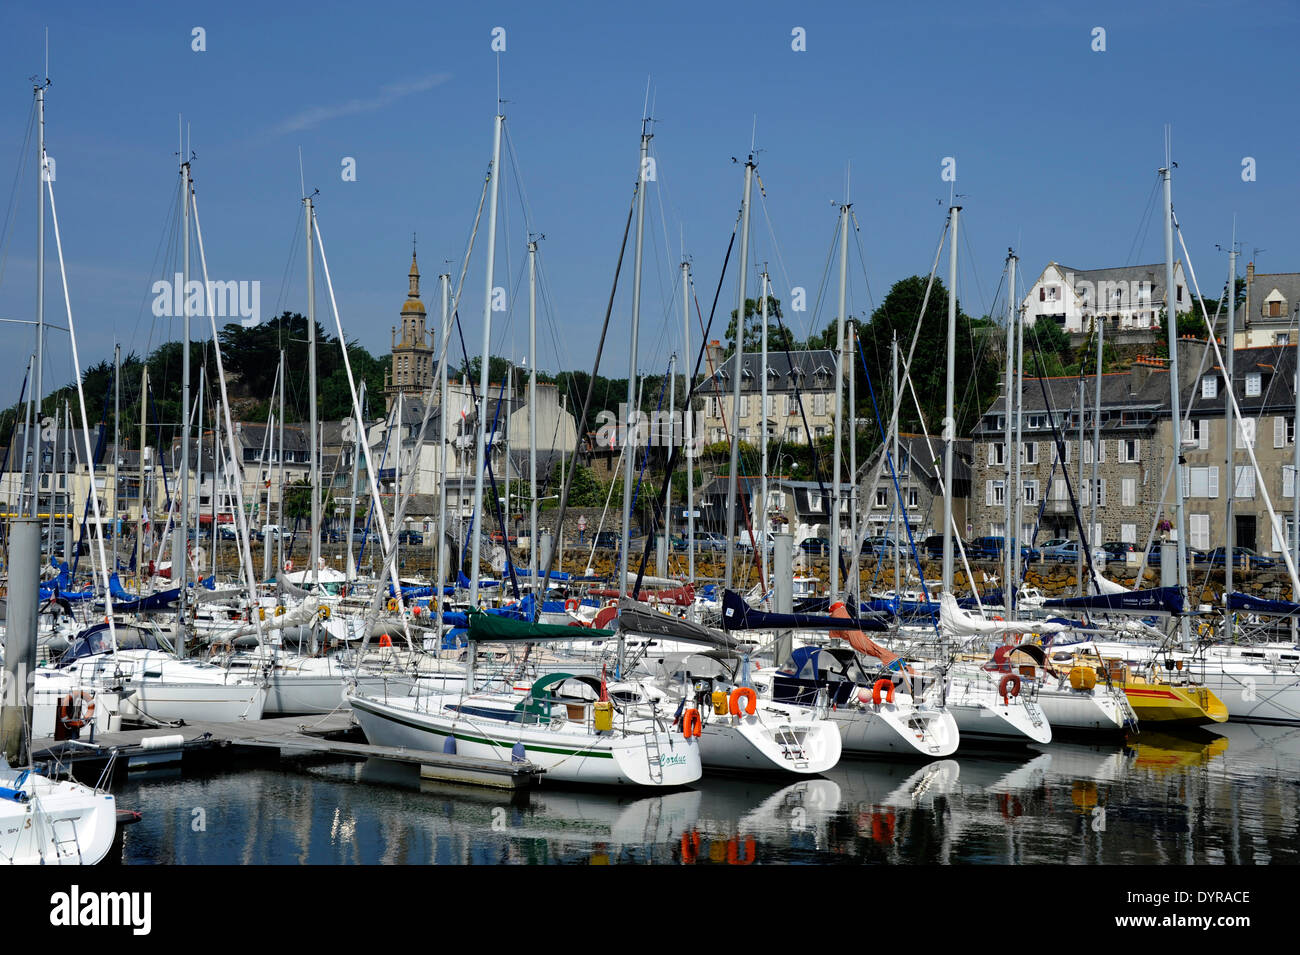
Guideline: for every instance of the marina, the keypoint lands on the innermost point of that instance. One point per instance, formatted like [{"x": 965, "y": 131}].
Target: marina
[{"x": 736, "y": 485}]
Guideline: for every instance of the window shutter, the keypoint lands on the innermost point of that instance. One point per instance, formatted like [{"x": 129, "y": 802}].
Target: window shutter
[
  {"x": 1137, "y": 451},
  {"x": 988, "y": 493},
  {"x": 1213, "y": 482},
  {"x": 1101, "y": 451},
  {"x": 1279, "y": 431},
  {"x": 1288, "y": 481},
  {"x": 1101, "y": 499}
]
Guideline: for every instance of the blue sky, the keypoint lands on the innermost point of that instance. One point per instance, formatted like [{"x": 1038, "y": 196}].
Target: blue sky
[{"x": 1056, "y": 147}]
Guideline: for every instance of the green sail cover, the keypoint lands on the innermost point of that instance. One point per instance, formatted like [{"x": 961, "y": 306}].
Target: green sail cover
[{"x": 489, "y": 628}]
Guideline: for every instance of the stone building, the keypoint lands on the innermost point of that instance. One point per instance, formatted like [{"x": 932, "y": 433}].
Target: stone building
[
  {"x": 799, "y": 386},
  {"x": 1269, "y": 314},
  {"x": 412, "y": 367},
  {"x": 919, "y": 469}
]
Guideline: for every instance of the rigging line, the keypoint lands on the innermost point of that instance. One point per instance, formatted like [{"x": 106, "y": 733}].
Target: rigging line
[
  {"x": 20, "y": 175},
  {"x": 1144, "y": 222},
  {"x": 857, "y": 241},
  {"x": 591, "y": 384},
  {"x": 972, "y": 270},
  {"x": 821, "y": 289},
  {"x": 660, "y": 509},
  {"x": 290, "y": 265}
]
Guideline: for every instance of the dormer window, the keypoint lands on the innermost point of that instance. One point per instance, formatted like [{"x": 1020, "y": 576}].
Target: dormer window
[
  {"x": 1253, "y": 381},
  {"x": 1209, "y": 387}
]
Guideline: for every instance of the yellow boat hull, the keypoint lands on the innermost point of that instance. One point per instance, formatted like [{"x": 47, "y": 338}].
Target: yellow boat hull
[{"x": 1163, "y": 703}]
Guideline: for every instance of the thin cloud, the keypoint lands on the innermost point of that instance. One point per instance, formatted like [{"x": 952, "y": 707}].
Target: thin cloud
[{"x": 387, "y": 95}]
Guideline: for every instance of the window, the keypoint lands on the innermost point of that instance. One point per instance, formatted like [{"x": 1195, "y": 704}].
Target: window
[
  {"x": 744, "y": 406},
  {"x": 1130, "y": 450},
  {"x": 1128, "y": 533},
  {"x": 1283, "y": 430},
  {"x": 819, "y": 404},
  {"x": 1245, "y": 482},
  {"x": 1087, "y": 452},
  {"x": 882, "y": 498},
  {"x": 1198, "y": 531},
  {"x": 1209, "y": 387},
  {"x": 1252, "y": 384},
  {"x": 995, "y": 493},
  {"x": 1290, "y": 535},
  {"x": 1031, "y": 492},
  {"x": 1059, "y": 490},
  {"x": 1197, "y": 430},
  {"x": 1087, "y": 493},
  {"x": 1245, "y": 432},
  {"x": 792, "y": 435},
  {"x": 1035, "y": 421},
  {"x": 997, "y": 453},
  {"x": 1029, "y": 452},
  {"x": 1128, "y": 492},
  {"x": 913, "y": 498},
  {"x": 1203, "y": 482},
  {"x": 1282, "y": 338}
]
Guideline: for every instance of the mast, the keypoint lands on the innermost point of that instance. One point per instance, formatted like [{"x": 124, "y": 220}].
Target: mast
[
  {"x": 898, "y": 511},
  {"x": 198, "y": 463},
  {"x": 839, "y": 402},
  {"x": 38, "y": 391},
  {"x": 117, "y": 443},
  {"x": 444, "y": 282},
  {"x": 480, "y": 453},
  {"x": 144, "y": 424},
  {"x": 762, "y": 424},
  {"x": 1012, "y": 385},
  {"x": 738, "y": 366},
  {"x": 1085, "y": 537},
  {"x": 688, "y": 426},
  {"x": 629, "y": 444},
  {"x": 1175, "y": 398},
  {"x": 1020, "y": 439},
  {"x": 1094, "y": 537},
  {"x": 356, "y": 467},
  {"x": 539, "y": 588},
  {"x": 181, "y": 526},
  {"x": 949, "y": 423},
  {"x": 279, "y": 536},
  {"x": 1229, "y": 527},
  {"x": 314, "y": 470},
  {"x": 855, "y": 575}
]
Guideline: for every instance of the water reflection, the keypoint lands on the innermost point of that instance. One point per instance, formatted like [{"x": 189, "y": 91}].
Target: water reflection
[{"x": 1222, "y": 796}]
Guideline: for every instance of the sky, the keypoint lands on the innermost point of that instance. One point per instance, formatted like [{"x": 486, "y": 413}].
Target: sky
[{"x": 1055, "y": 116}]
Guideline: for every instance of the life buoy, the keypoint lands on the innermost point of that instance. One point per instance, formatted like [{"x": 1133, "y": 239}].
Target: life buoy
[
  {"x": 416, "y": 610},
  {"x": 882, "y": 684},
  {"x": 733, "y": 851},
  {"x": 751, "y": 700},
  {"x": 692, "y": 723},
  {"x": 392, "y": 605},
  {"x": 288, "y": 565},
  {"x": 1009, "y": 687},
  {"x": 325, "y": 612},
  {"x": 279, "y": 610},
  {"x": 76, "y": 709},
  {"x": 385, "y": 640},
  {"x": 571, "y": 606}
]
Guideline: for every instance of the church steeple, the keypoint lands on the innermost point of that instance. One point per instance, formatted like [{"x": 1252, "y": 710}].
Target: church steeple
[
  {"x": 414, "y": 273},
  {"x": 412, "y": 364}
]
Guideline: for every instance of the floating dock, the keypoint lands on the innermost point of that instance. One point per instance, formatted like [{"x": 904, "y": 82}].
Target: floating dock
[{"x": 212, "y": 744}]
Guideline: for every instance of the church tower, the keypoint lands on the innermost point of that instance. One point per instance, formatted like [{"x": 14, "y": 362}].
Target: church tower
[{"x": 412, "y": 369}]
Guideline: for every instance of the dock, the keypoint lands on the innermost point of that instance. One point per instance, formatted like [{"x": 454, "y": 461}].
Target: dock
[{"x": 212, "y": 745}]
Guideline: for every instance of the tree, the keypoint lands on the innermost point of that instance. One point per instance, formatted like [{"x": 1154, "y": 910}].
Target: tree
[{"x": 778, "y": 336}]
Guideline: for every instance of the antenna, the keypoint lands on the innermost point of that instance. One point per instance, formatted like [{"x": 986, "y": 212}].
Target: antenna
[
  {"x": 47, "y": 55},
  {"x": 302, "y": 181}
]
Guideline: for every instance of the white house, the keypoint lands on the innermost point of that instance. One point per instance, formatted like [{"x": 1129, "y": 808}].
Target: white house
[{"x": 1126, "y": 298}]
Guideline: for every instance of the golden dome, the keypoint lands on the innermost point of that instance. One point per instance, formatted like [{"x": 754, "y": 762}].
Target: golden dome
[{"x": 413, "y": 305}]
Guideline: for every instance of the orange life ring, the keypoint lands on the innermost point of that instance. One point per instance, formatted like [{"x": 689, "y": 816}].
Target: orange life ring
[
  {"x": 571, "y": 606},
  {"x": 882, "y": 684},
  {"x": 84, "y": 714},
  {"x": 385, "y": 640},
  {"x": 288, "y": 565},
  {"x": 692, "y": 723},
  {"x": 747, "y": 693},
  {"x": 733, "y": 851},
  {"x": 1009, "y": 687}
]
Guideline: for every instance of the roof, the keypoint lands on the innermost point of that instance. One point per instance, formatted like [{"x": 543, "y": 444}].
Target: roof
[
  {"x": 779, "y": 365},
  {"x": 1263, "y": 284}
]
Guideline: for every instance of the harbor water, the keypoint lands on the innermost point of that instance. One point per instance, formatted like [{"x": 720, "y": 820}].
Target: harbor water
[{"x": 1230, "y": 795}]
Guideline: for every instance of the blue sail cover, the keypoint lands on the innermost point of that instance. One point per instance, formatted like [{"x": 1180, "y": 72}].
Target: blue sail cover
[
  {"x": 822, "y": 605},
  {"x": 524, "y": 609},
  {"x": 1156, "y": 600},
  {"x": 131, "y": 603},
  {"x": 1282, "y": 608},
  {"x": 463, "y": 582},
  {"x": 738, "y": 615}
]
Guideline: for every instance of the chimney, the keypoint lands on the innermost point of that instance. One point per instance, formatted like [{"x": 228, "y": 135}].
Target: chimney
[
  {"x": 1138, "y": 374},
  {"x": 713, "y": 357},
  {"x": 1250, "y": 280}
]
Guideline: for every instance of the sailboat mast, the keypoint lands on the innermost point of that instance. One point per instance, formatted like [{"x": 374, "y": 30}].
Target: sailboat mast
[
  {"x": 144, "y": 425},
  {"x": 762, "y": 424},
  {"x": 1229, "y": 524},
  {"x": 949, "y": 423},
  {"x": 444, "y": 472},
  {"x": 539, "y": 588},
  {"x": 688, "y": 429},
  {"x": 629, "y": 443},
  {"x": 1011, "y": 386},
  {"x": 837, "y": 456},
  {"x": 356, "y": 468},
  {"x": 480, "y": 452},
  {"x": 855, "y": 577},
  {"x": 198, "y": 463},
  {"x": 279, "y": 537},
  {"x": 1020, "y": 438},
  {"x": 117, "y": 444},
  {"x": 181, "y": 526},
  {"x": 38, "y": 390},
  {"x": 1095, "y": 536},
  {"x": 1175, "y": 398},
  {"x": 314, "y": 469},
  {"x": 898, "y": 510},
  {"x": 738, "y": 368}
]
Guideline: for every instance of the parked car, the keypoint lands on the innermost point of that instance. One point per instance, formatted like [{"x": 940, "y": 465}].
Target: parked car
[
  {"x": 227, "y": 533},
  {"x": 1119, "y": 550},
  {"x": 885, "y": 546},
  {"x": 1241, "y": 557},
  {"x": 815, "y": 546},
  {"x": 1069, "y": 552},
  {"x": 605, "y": 540},
  {"x": 933, "y": 546},
  {"x": 410, "y": 537},
  {"x": 991, "y": 548},
  {"x": 359, "y": 536}
]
